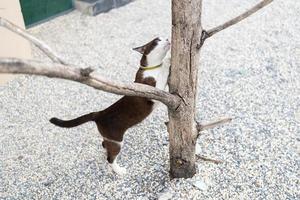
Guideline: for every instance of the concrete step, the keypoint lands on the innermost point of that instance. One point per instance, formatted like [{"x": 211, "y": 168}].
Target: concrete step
[{"x": 94, "y": 7}]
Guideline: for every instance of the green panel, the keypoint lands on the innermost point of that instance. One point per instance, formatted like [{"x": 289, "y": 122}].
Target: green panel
[{"x": 37, "y": 10}]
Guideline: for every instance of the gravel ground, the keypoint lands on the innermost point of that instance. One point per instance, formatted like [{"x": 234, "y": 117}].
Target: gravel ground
[{"x": 250, "y": 71}]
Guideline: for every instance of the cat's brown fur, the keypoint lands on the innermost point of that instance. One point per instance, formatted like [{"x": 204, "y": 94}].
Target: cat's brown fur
[{"x": 128, "y": 111}]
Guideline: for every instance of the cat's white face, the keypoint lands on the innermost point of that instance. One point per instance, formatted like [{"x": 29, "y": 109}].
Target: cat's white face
[
  {"x": 154, "y": 51},
  {"x": 159, "y": 52}
]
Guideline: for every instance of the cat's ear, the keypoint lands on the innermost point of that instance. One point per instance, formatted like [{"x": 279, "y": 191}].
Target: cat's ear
[{"x": 140, "y": 49}]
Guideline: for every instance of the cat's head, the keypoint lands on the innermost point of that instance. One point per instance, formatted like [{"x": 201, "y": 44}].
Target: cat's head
[{"x": 154, "y": 51}]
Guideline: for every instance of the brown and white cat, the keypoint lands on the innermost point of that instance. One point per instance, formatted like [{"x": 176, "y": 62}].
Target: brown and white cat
[{"x": 113, "y": 121}]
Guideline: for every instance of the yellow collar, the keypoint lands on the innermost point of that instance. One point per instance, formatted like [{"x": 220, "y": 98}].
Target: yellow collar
[{"x": 150, "y": 67}]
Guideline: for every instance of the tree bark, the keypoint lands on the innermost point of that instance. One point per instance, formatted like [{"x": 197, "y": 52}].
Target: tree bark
[{"x": 186, "y": 31}]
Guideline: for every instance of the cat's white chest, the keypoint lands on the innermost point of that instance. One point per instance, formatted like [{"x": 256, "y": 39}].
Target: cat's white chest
[{"x": 160, "y": 75}]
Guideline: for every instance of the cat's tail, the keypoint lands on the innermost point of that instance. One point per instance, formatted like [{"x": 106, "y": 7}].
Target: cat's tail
[{"x": 74, "y": 122}]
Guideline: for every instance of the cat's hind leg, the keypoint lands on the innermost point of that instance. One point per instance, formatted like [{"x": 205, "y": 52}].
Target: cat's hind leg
[{"x": 113, "y": 149}]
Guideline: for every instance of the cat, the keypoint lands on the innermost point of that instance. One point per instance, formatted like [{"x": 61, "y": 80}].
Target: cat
[{"x": 128, "y": 111}]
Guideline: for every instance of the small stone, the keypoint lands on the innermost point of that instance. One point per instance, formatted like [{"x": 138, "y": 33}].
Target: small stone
[
  {"x": 165, "y": 196},
  {"x": 48, "y": 182},
  {"x": 157, "y": 168},
  {"x": 20, "y": 157},
  {"x": 197, "y": 149},
  {"x": 139, "y": 179},
  {"x": 200, "y": 185},
  {"x": 165, "y": 143}
]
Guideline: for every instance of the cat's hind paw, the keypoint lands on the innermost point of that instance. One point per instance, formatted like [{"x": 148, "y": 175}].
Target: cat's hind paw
[{"x": 118, "y": 170}]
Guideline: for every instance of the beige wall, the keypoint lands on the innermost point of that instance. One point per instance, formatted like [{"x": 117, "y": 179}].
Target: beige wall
[{"x": 12, "y": 45}]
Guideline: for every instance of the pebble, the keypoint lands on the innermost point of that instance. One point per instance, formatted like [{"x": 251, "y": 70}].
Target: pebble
[
  {"x": 200, "y": 184},
  {"x": 165, "y": 196}
]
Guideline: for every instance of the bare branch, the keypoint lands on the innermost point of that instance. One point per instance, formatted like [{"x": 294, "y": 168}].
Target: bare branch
[
  {"x": 202, "y": 127},
  {"x": 237, "y": 19},
  {"x": 38, "y": 43},
  {"x": 88, "y": 77},
  {"x": 209, "y": 159}
]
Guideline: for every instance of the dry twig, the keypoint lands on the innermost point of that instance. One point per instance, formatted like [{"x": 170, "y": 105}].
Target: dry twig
[
  {"x": 209, "y": 159},
  {"x": 211, "y": 32},
  {"x": 202, "y": 127}
]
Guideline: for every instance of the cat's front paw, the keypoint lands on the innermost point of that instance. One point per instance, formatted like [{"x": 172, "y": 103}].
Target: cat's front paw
[{"x": 119, "y": 170}]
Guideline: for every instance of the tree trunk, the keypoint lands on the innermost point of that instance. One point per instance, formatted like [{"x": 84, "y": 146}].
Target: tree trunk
[{"x": 186, "y": 34}]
